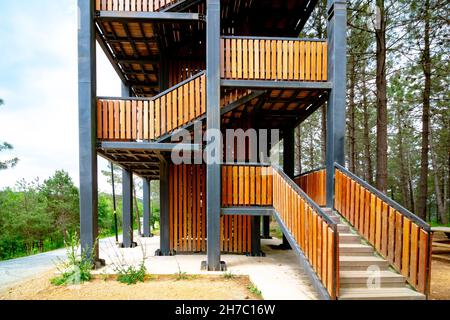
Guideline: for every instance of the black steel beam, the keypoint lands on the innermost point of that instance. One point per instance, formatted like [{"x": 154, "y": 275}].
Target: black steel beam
[
  {"x": 256, "y": 237},
  {"x": 337, "y": 73},
  {"x": 268, "y": 84},
  {"x": 149, "y": 146},
  {"x": 288, "y": 162},
  {"x": 168, "y": 17},
  {"x": 248, "y": 211},
  {"x": 87, "y": 85}
]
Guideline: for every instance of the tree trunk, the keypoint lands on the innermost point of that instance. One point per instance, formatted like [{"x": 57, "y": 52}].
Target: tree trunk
[
  {"x": 401, "y": 157},
  {"x": 368, "y": 172},
  {"x": 426, "y": 64},
  {"x": 351, "y": 107},
  {"x": 380, "y": 33},
  {"x": 439, "y": 201}
]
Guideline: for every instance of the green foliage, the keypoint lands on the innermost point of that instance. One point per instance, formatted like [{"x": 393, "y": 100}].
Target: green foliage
[
  {"x": 254, "y": 290},
  {"x": 181, "y": 275},
  {"x": 77, "y": 268},
  {"x": 228, "y": 275},
  {"x": 132, "y": 275},
  {"x": 4, "y": 146}
]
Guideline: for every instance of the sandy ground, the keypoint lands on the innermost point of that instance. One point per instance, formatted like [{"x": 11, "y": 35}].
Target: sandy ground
[
  {"x": 440, "y": 269},
  {"x": 154, "y": 288}
]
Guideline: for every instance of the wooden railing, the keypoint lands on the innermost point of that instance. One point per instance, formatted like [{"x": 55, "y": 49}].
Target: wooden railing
[
  {"x": 314, "y": 232},
  {"x": 133, "y": 5},
  {"x": 314, "y": 185},
  {"x": 132, "y": 119},
  {"x": 251, "y": 58},
  {"x": 397, "y": 234},
  {"x": 246, "y": 185}
]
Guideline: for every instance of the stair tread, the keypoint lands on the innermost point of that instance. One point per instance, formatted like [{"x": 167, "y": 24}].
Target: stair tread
[
  {"x": 364, "y": 274},
  {"x": 354, "y": 245},
  {"x": 388, "y": 293},
  {"x": 361, "y": 258}
]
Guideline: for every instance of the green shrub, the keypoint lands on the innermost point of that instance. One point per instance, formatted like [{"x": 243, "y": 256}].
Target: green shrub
[
  {"x": 254, "y": 289},
  {"x": 77, "y": 267},
  {"x": 132, "y": 275}
]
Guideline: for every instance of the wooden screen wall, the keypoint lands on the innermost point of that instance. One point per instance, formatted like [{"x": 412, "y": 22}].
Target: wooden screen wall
[
  {"x": 132, "y": 5},
  {"x": 401, "y": 241},
  {"x": 315, "y": 237},
  {"x": 314, "y": 185},
  {"x": 137, "y": 119},
  {"x": 271, "y": 59},
  {"x": 246, "y": 186},
  {"x": 187, "y": 214}
]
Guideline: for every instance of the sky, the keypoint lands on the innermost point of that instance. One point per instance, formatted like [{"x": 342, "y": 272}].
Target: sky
[{"x": 38, "y": 83}]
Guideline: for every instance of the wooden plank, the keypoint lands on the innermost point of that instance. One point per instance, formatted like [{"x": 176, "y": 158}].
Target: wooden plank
[
  {"x": 424, "y": 256},
  {"x": 324, "y": 61},
  {"x": 99, "y": 120},
  {"x": 268, "y": 59},
  {"x": 246, "y": 186},
  {"x": 414, "y": 254},
  {"x": 313, "y": 60},
  {"x": 330, "y": 260},
  {"x": 245, "y": 58},
  {"x": 203, "y": 95},
  {"x": 384, "y": 229},
  {"x": 241, "y": 185},
  {"x": 233, "y": 59},
  {"x": 186, "y": 116},
  {"x": 324, "y": 253},
  {"x": 319, "y": 62},
  {"x": 168, "y": 109},
  {"x": 239, "y": 58},
  {"x": 262, "y": 60},
  {"x": 398, "y": 240},
  {"x": 228, "y": 58},
  {"x": 191, "y": 100},
  {"x": 372, "y": 219},
  {"x": 378, "y": 225},
  {"x": 116, "y": 120},
  {"x": 391, "y": 232},
  {"x": 406, "y": 244},
  {"x": 307, "y": 61},
  {"x": 285, "y": 59},
  {"x": 291, "y": 60},
  {"x": 256, "y": 59},
  {"x": 251, "y": 60}
]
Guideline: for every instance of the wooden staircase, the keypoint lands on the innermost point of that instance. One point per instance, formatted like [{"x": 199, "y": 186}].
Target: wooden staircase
[{"x": 364, "y": 275}]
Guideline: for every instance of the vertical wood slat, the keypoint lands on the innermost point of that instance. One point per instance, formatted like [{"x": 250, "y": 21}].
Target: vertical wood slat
[
  {"x": 133, "y": 5},
  {"x": 314, "y": 185}
]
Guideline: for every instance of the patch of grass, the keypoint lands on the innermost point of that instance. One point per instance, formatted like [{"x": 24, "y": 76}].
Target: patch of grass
[
  {"x": 275, "y": 231},
  {"x": 181, "y": 275},
  {"x": 132, "y": 275},
  {"x": 228, "y": 275},
  {"x": 254, "y": 290},
  {"x": 77, "y": 268}
]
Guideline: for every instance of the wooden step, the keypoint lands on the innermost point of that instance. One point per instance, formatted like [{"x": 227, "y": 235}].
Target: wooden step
[
  {"x": 359, "y": 263},
  {"x": 336, "y": 219},
  {"x": 355, "y": 249},
  {"x": 379, "y": 294},
  {"x": 343, "y": 228},
  {"x": 359, "y": 279},
  {"x": 349, "y": 238}
]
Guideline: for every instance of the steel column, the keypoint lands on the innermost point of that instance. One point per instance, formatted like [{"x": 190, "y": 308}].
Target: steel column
[
  {"x": 127, "y": 209},
  {"x": 164, "y": 239},
  {"x": 337, "y": 62},
  {"x": 87, "y": 86},
  {"x": 266, "y": 228},
  {"x": 213, "y": 174},
  {"x": 146, "y": 187},
  {"x": 288, "y": 163}
]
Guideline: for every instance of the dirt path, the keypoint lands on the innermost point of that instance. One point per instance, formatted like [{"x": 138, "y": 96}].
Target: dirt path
[{"x": 157, "y": 288}]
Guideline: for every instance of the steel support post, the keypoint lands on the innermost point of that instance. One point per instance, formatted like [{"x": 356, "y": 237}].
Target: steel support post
[
  {"x": 288, "y": 163},
  {"x": 164, "y": 249},
  {"x": 127, "y": 209},
  {"x": 266, "y": 228},
  {"x": 146, "y": 187},
  {"x": 256, "y": 237},
  {"x": 337, "y": 61},
  {"x": 213, "y": 162},
  {"x": 87, "y": 87}
]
